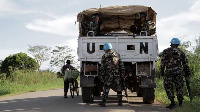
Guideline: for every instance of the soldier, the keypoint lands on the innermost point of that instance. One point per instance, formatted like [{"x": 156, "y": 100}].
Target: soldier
[
  {"x": 95, "y": 25},
  {"x": 143, "y": 22},
  {"x": 66, "y": 82},
  {"x": 147, "y": 25},
  {"x": 174, "y": 62},
  {"x": 111, "y": 70},
  {"x": 135, "y": 29}
]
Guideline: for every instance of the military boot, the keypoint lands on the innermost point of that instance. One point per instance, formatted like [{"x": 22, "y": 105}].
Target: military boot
[
  {"x": 120, "y": 102},
  {"x": 102, "y": 104},
  {"x": 119, "y": 94},
  {"x": 173, "y": 104}
]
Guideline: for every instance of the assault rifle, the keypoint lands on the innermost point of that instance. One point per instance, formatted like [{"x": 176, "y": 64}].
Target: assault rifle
[
  {"x": 124, "y": 86},
  {"x": 188, "y": 88}
]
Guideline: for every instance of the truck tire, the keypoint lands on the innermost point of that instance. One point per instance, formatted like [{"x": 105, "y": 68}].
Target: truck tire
[
  {"x": 148, "y": 95},
  {"x": 87, "y": 94},
  {"x": 139, "y": 92},
  {"x": 96, "y": 91}
]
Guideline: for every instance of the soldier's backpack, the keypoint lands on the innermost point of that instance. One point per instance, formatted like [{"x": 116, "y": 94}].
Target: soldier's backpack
[
  {"x": 174, "y": 56},
  {"x": 114, "y": 59}
]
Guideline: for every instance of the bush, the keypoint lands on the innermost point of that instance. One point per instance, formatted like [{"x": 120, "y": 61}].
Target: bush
[
  {"x": 2, "y": 78},
  {"x": 31, "y": 77},
  {"x": 22, "y": 81},
  {"x": 195, "y": 84},
  {"x": 18, "y": 61}
]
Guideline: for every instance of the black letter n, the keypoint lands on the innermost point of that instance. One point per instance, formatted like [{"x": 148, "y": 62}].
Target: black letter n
[{"x": 144, "y": 48}]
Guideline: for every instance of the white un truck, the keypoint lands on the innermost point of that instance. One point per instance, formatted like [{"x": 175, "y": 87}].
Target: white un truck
[{"x": 138, "y": 51}]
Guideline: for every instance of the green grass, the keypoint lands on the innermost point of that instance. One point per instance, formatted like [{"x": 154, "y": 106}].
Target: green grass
[
  {"x": 28, "y": 81},
  {"x": 187, "y": 106}
]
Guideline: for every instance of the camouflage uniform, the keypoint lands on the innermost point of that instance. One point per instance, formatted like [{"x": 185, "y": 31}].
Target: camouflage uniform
[
  {"x": 111, "y": 69},
  {"x": 148, "y": 26},
  {"x": 95, "y": 27},
  {"x": 174, "y": 62}
]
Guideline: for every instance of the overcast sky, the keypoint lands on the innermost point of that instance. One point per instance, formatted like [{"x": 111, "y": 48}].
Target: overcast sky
[{"x": 52, "y": 22}]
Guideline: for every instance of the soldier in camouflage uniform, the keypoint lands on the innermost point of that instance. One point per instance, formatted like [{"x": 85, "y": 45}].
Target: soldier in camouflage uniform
[
  {"x": 174, "y": 63},
  {"x": 112, "y": 69},
  {"x": 146, "y": 25},
  {"x": 94, "y": 25}
]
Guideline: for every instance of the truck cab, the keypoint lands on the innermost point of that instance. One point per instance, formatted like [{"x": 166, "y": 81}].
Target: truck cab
[{"x": 138, "y": 51}]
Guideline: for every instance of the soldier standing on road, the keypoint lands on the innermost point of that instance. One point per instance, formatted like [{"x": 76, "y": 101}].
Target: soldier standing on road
[
  {"x": 66, "y": 82},
  {"x": 111, "y": 70},
  {"x": 174, "y": 62}
]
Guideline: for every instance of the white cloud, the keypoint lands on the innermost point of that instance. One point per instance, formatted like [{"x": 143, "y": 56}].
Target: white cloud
[
  {"x": 196, "y": 7},
  {"x": 7, "y": 7},
  {"x": 184, "y": 26},
  {"x": 62, "y": 26}
]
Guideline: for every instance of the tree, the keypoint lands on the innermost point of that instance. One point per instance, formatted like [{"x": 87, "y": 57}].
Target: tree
[
  {"x": 40, "y": 52},
  {"x": 60, "y": 54},
  {"x": 19, "y": 61},
  {"x": 196, "y": 55},
  {"x": 0, "y": 65},
  {"x": 197, "y": 48}
]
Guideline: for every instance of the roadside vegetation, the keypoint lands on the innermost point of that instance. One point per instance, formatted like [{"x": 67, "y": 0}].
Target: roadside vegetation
[
  {"x": 23, "y": 81},
  {"x": 20, "y": 73},
  {"x": 193, "y": 61}
]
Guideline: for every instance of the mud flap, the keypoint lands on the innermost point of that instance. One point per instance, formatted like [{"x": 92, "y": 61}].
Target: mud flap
[
  {"x": 86, "y": 81},
  {"x": 147, "y": 82}
]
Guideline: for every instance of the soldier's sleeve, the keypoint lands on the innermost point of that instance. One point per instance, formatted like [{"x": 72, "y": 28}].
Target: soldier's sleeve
[
  {"x": 121, "y": 66},
  {"x": 102, "y": 68},
  {"x": 152, "y": 27},
  {"x": 185, "y": 65},
  {"x": 162, "y": 64}
]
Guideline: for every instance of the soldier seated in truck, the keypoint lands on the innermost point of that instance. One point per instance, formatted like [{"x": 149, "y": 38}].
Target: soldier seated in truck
[
  {"x": 146, "y": 25},
  {"x": 135, "y": 29},
  {"x": 94, "y": 25}
]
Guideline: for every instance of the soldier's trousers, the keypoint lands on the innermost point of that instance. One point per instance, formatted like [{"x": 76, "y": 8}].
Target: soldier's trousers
[
  {"x": 117, "y": 82},
  {"x": 174, "y": 78}
]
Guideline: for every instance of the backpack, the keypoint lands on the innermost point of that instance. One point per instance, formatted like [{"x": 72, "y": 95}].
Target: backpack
[
  {"x": 174, "y": 56},
  {"x": 113, "y": 59}
]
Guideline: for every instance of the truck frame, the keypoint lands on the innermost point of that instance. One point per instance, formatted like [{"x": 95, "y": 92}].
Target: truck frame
[{"x": 138, "y": 53}]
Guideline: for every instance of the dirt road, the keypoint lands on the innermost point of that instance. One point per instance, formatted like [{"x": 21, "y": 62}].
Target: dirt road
[{"x": 53, "y": 101}]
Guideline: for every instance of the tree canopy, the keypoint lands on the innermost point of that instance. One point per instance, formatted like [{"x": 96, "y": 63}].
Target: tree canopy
[
  {"x": 40, "y": 52},
  {"x": 60, "y": 54},
  {"x": 19, "y": 61}
]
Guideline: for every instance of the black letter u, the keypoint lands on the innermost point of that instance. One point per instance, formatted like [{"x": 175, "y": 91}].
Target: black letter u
[{"x": 88, "y": 48}]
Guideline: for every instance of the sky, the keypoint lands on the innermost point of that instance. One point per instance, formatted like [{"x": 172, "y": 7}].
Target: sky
[{"x": 52, "y": 22}]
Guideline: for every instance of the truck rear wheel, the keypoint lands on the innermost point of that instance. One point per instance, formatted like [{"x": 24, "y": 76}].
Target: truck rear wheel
[
  {"x": 87, "y": 94},
  {"x": 148, "y": 95}
]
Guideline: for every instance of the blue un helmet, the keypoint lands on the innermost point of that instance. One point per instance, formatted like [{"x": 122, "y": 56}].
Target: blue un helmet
[
  {"x": 143, "y": 14},
  {"x": 107, "y": 46},
  {"x": 95, "y": 15},
  {"x": 175, "y": 41}
]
